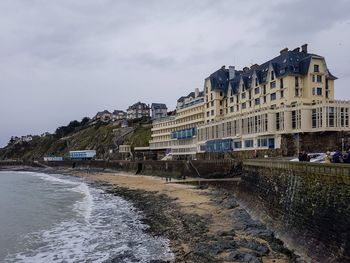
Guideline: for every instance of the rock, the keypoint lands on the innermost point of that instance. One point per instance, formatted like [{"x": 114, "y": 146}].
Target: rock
[
  {"x": 258, "y": 247},
  {"x": 243, "y": 257},
  {"x": 226, "y": 233},
  {"x": 216, "y": 247},
  {"x": 262, "y": 233},
  {"x": 243, "y": 221},
  {"x": 125, "y": 256},
  {"x": 230, "y": 203},
  {"x": 241, "y": 216},
  {"x": 250, "y": 258}
]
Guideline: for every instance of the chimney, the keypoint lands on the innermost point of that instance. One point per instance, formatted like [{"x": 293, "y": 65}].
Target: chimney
[
  {"x": 196, "y": 92},
  {"x": 254, "y": 66},
  {"x": 223, "y": 67},
  {"x": 283, "y": 51},
  {"x": 297, "y": 49},
  {"x": 231, "y": 72},
  {"x": 304, "y": 48}
]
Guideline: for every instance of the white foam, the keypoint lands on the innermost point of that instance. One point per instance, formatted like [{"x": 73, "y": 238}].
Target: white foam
[
  {"x": 112, "y": 227},
  {"x": 52, "y": 178},
  {"x": 84, "y": 206}
]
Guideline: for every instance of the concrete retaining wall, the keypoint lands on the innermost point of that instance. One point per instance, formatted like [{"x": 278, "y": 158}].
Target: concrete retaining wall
[{"x": 311, "y": 202}]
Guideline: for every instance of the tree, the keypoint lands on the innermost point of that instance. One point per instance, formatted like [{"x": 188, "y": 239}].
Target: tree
[{"x": 84, "y": 121}]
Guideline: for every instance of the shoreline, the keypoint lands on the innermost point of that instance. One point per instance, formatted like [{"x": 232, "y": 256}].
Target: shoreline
[{"x": 202, "y": 225}]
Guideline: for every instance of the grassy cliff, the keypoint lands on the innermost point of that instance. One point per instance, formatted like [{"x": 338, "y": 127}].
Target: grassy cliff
[
  {"x": 85, "y": 135},
  {"x": 140, "y": 136}
]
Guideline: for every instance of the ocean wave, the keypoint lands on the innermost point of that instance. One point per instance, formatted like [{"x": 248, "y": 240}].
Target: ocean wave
[{"x": 106, "y": 227}]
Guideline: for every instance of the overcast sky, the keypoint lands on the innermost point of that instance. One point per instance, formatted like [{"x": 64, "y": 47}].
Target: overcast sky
[{"x": 63, "y": 60}]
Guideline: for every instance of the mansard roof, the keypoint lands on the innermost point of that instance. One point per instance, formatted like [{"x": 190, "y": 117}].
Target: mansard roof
[
  {"x": 219, "y": 79},
  {"x": 289, "y": 62},
  {"x": 102, "y": 112},
  {"x": 115, "y": 112},
  {"x": 137, "y": 104},
  {"x": 158, "y": 106},
  {"x": 192, "y": 95}
]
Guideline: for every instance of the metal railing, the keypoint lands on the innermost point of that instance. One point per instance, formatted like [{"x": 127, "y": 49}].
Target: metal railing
[{"x": 336, "y": 169}]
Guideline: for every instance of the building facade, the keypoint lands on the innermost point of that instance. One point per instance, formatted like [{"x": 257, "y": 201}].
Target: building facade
[
  {"x": 118, "y": 115},
  {"x": 176, "y": 134},
  {"x": 159, "y": 110},
  {"x": 253, "y": 108},
  {"x": 82, "y": 155},
  {"x": 138, "y": 110},
  {"x": 104, "y": 116}
]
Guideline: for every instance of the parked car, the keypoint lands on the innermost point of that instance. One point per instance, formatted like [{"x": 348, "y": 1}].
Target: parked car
[{"x": 314, "y": 158}]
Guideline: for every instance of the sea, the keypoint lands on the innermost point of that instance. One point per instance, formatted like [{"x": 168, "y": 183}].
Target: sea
[{"x": 58, "y": 218}]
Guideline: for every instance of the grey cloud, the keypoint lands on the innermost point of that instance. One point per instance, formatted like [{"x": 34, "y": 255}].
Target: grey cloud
[
  {"x": 299, "y": 17},
  {"x": 63, "y": 60}
]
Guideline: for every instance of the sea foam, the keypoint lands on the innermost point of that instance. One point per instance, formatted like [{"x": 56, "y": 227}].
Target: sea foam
[{"x": 105, "y": 227}]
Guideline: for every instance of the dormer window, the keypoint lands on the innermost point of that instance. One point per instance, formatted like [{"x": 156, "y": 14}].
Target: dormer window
[
  {"x": 256, "y": 82},
  {"x": 272, "y": 75}
]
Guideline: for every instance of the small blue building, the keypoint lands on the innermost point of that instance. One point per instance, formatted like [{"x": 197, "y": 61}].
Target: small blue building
[{"x": 82, "y": 155}]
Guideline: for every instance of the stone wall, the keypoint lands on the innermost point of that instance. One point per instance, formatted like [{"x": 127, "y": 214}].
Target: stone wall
[
  {"x": 311, "y": 202},
  {"x": 176, "y": 169}
]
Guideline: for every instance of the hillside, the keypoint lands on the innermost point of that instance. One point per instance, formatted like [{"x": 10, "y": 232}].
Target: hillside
[{"x": 84, "y": 135}]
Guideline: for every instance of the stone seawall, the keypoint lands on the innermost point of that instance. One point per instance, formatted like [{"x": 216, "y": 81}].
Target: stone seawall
[
  {"x": 311, "y": 202},
  {"x": 176, "y": 169}
]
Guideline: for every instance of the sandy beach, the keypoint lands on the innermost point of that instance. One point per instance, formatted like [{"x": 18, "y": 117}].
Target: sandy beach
[{"x": 203, "y": 225}]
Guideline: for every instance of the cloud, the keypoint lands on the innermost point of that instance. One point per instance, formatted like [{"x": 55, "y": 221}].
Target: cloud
[
  {"x": 63, "y": 60},
  {"x": 305, "y": 18}
]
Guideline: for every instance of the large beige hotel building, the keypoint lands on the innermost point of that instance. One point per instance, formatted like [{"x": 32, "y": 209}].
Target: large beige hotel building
[{"x": 253, "y": 108}]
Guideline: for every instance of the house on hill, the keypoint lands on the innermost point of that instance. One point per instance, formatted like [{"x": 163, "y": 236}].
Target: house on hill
[
  {"x": 104, "y": 116},
  {"x": 138, "y": 110},
  {"x": 118, "y": 115},
  {"x": 159, "y": 110}
]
